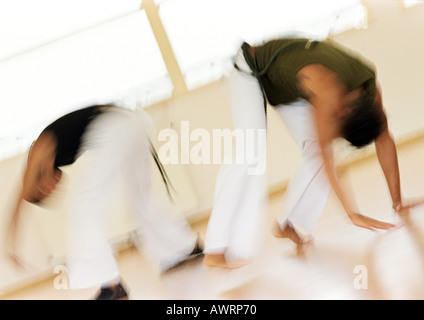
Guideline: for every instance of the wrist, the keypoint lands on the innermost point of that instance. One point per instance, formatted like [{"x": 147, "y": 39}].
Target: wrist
[
  {"x": 396, "y": 204},
  {"x": 350, "y": 214}
]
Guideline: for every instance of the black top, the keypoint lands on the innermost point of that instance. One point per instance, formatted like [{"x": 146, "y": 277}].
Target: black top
[{"x": 69, "y": 130}]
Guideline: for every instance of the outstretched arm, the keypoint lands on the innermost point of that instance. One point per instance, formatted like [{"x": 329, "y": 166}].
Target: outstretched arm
[
  {"x": 323, "y": 127},
  {"x": 11, "y": 232},
  {"x": 328, "y": 95},
  {"x": 388, "y": 159},
  {"x": 387, "y": 156},
  {"x": 39, "y": 179}
]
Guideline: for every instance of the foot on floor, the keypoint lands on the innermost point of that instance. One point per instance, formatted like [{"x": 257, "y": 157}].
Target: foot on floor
[
  {"x": 116, "y": 292},
  {"x": 303, "y": 244},
  {"x": 197, "y": 252},
  {"x": 219, "y": 261}
]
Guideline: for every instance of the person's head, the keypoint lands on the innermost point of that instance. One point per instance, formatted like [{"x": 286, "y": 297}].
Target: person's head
[
  {"x": 46, "y": 183},
  {"x": 363, "y": 123},
  {"x": 41, "y": 175}
]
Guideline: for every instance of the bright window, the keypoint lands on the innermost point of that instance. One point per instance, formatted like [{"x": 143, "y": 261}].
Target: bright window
[
  {"x": 116, "y": 59},
  {"x": 411, "y": 3},
  {"x": 59, "y": 55},
  {"x": 205, "y": 34}
]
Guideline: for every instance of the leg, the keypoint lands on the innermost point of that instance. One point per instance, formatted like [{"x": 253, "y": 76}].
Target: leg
[
  {"x": 240, "y": 191},
  {"x": 309, "y": 189},
  {"x": 164, "y": 234},
  {"x": 90, "y": 259}
]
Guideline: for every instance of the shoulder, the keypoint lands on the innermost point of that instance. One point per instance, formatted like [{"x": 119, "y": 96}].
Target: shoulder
[
  {"x": 316, "y": 79},
  {"x": 45, "y": 144}
]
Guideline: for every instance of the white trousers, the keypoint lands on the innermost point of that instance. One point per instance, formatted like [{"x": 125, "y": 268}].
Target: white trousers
[
  {"x": 116, "y": 150},
  {"x": 240, "y": 201},
  {"x": 239, "y": 209},
  {"x": 309, "y": 188}
]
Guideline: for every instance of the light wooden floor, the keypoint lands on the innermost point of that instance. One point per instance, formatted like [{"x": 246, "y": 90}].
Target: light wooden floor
[{"x": 346, "y": 263}]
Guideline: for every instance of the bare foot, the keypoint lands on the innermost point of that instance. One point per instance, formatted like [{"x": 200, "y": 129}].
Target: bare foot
[
  {"x": 303, "y": 247},
  {"x": 286, "y": 232},
  {"x": 302, "y": 244},
  {"x": 219, "y": 261}
]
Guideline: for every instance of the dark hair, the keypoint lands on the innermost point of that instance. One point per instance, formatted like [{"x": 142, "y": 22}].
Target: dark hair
[{"x": 363, "y": 124}]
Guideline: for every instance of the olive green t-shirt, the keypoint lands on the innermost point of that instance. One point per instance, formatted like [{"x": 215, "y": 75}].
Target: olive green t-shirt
[{"x": 280, "y": 81}]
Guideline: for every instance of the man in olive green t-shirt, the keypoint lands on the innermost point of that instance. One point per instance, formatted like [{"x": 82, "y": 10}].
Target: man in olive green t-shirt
[{"x": 322, "y": 92}]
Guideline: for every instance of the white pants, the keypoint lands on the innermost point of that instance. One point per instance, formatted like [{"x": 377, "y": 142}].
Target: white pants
[
  {"x": 241, "y": 191},
  {"x": 240, "y": 198},
  {"x": 116, "y": 146},
  {"x": 309, "y": 189}
]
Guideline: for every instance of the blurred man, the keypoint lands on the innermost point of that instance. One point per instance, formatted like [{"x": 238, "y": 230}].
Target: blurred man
[
  {"x": 115, "y": 145},
  {"x": 322, "y": 92}
]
